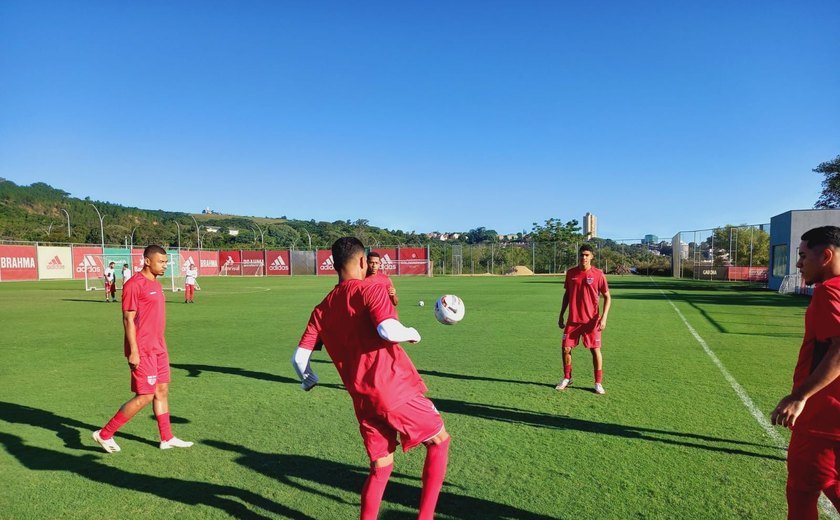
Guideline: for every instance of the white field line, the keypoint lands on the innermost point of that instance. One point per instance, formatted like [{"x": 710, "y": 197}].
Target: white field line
[{"x": 825, "y": 505}]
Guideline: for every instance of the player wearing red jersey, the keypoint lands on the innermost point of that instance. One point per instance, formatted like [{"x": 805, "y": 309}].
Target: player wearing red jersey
[
  {"x": 144, "y": 320},
  {"x": 375, "y": 273},
  {"x": 358, "y": 325},
  {"x": 584, "y": 284},
  {"x": 812, "y": 410}
]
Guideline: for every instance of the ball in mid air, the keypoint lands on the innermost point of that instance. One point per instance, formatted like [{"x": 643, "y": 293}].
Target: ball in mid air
[{"x": 449, "y": 309}]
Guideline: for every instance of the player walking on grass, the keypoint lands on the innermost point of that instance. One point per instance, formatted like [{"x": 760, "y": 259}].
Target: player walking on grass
[
  {"x": 189, "y": 283},
  {"x": 358, "y": 325},
  {"x": 376, "y": 274},
  {"x": 110, "y": 283},
  {"x": 584, "y": 284},
  {"x": 144, "y": 320},
  {"x": 812, "y": 410}
]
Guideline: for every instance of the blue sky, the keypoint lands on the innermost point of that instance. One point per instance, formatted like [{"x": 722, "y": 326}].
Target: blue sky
[{"x": 655, "y": 116}]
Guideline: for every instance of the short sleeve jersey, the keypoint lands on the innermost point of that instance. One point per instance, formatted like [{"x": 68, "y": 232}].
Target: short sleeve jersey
[
  {"x": 146, "y": 298},
  {"x": 380, "y": 278},
  {"x": 109, "y": 274},
  {"x": 377, "y": 373},
  {"x": 190, "y": 275},
  {"x": 821, "y": 416},
  {"x": 126, "y": 273},
  {"x": 584, "y": 288}
]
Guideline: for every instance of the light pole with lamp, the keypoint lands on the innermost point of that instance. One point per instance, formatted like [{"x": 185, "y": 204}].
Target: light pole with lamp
[
  {"x": 262, "y": 234},
  {"x": 68, "y": 221},
  {"x": 101, "y": 226},
  {"x": 132, "y": 238},
  {"x": 309, "y": 237}
]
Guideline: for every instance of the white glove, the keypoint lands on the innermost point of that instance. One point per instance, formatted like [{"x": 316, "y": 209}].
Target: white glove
[
  {"x": 300, "y": 362},
  {"x": 309, "y": 382}
]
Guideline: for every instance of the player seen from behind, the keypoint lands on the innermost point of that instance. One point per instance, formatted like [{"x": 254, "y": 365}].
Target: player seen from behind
[
  {"x": 812, "y": 410},
  {"x": 358, "y": 325}
]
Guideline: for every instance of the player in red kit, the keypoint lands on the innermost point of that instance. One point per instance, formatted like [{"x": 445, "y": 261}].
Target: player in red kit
[
  {"x": 812, "y": 410},
  {"x": 584, "y": 285},
  {"x": 376, "y": 274},
  {"x": 358, "y": 325},
  {"x": 144, "y": 320}
]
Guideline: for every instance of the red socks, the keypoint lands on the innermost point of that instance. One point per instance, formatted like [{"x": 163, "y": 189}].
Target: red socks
[
  {"x": 373, "y": 490},
  {"x": 116, "y": 422},
  {"x": 434, "y": 470},
  {"x": 567, "y": 371},
  {"x": 164, "y": 427},
  {"x": 599, "y": 375}
]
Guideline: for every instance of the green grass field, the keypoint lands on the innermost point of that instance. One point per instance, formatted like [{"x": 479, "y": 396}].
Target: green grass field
[{"x": 671, "y": 439}]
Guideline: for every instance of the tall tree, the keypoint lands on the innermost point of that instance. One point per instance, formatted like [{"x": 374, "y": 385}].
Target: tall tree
[{"x": 830, "y": 196}]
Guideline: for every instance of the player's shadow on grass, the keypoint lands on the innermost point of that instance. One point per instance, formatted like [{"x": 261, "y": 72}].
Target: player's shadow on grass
[
  {"x": 196, "y": 370},
  {"x": 225, "y": 498},
  {"x": 543, "y": 420},
  {"x": 310, "y": 474},
  {"x": 68, "y": 430}
]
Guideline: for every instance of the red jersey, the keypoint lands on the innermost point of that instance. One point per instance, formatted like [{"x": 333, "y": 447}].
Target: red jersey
[
  {"x": 146, "y": 298},
  {"x": 821, "y": 415},
  {"x": 381, "y": 278},
  {"x": 584, "y": 288},
  {"x": 377, "y": 373}
]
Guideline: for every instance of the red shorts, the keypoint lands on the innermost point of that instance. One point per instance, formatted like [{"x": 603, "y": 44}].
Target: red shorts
[
  {"x": 813, "y": 462},
  {"x": 110, "y": 287},
  {"x": 589, "y": 331},
  {"x": 416, "y": 422},
  {"x": 153, "y": 369}
]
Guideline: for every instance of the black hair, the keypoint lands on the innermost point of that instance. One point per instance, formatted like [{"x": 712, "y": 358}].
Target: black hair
[
  {"x": 826, "y": 236},
  {"x": 585, "y": 247},
  {"x": 373, "y": 253},
  {"x": 344, "y": 249},
  {"x": 153, "y": 250}
]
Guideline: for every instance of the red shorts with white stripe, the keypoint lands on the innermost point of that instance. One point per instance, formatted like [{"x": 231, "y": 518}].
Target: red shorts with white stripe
[
  {"x": 590, "y": 333},
  {"x": 416, "y": 421}
]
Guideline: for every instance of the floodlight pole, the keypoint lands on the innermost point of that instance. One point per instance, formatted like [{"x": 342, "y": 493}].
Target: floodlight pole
[
  {"x": 179, "y": 239},
  {"x": 68, "y": 221},
  {"x": 101, "y": 226},
  {"x": 262, "y": 234},
  {"x": 197, "y": 236},
  {"x": 309, "y": 237},
  {"x": 132, "y": 237}
]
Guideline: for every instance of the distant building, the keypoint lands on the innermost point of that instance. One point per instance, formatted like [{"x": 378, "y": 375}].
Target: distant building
[
  {"x": 233, "y": 232},
  {"x": 212, "y": 229},
  {"x": 590, "y": 226},
  {"x": 650, "y": 239}
]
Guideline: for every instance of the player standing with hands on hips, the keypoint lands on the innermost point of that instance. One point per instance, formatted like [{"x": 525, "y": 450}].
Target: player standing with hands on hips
[
  {"x": 584, "y": 284},
  {"x": 358, "y": 325},
  {"x": 812, "y": 410},
  {"x": 110, "y": 283},
  {"x": 144, "y": 320}
]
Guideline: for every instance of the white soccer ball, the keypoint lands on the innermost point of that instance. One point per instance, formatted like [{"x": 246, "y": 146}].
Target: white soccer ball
[
  {"x": 449, "y": 309},
  {"x": 421, "y": 303}
]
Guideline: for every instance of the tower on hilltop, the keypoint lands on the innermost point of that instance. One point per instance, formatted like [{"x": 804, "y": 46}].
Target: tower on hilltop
[{"x": 590, "y": 226}]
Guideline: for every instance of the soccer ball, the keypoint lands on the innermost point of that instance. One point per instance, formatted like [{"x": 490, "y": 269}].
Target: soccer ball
[
  {"x": 449, "y": 309},
  {"x": 421, "y": 303}
]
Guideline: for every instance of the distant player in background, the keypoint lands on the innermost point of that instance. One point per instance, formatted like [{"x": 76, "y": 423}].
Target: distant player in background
[
  {"x": 144, "y": 320},
  {"x": 189, "y": 283},
  {"x": 126, "y": 273},
  {"x": 358, "y": 325},
  {"x": 376, "y": 274},
  {"x": 812, "y": 410},
  {"x": 110, "y": 283},
  {"x": 584, "y": 285}
]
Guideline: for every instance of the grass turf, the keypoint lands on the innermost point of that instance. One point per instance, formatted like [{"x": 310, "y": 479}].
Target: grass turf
[{"x": 669, "y": 440}]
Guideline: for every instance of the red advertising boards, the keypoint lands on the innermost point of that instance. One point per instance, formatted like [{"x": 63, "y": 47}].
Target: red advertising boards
[
  {"x": 413, "y": 260},
  {"x": 187, "y": 257},
  {"x": 230, "y": 263},
  {"x": 750, "y": 274},
  {"x": 253, "y": 263},
  {"x": 137, "y": 259},
  {"x": 208, "y": 264},
  {"x": 389, "y": 260},
  {"x": 88, "y": 259},
  {"x": 18, "y": 263},
  {"x": 278, "y": 263},
  {"x": 324, "y": 260}
]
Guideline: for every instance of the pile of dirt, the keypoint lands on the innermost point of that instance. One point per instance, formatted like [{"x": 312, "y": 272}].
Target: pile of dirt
[{"x": 521, "y": 270}]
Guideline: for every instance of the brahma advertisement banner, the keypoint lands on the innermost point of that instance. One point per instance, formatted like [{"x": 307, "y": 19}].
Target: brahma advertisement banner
[
  {"x": 388, "y": 257},
  {"x": 55, "y": 263},
  {"x": 413, "y": 260},
  {"x": 324, "y": 261},
  {"x": 208, "y": 262},
  {"x": 18, "y": 263},
  {"x": 87, "y": 259},
  {"x": 253, "y": 263},
  {"x": 230, "y": 263},
  {"x": 278, "y": 263}
]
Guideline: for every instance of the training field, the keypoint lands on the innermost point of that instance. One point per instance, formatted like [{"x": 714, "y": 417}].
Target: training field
[{"x": 671, "y": 439}]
